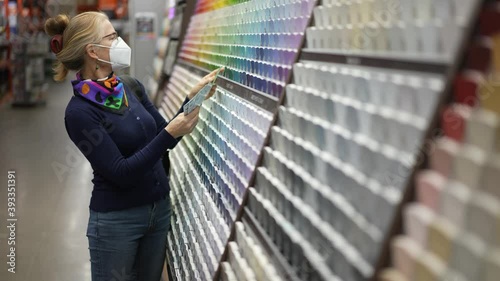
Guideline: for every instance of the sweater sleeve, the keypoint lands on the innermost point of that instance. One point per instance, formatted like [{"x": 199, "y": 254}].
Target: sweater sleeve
[
  {"x": 161, "y": 123},
  {"x": 181, "y": 110},
  {"x": 88, "y": 134}
]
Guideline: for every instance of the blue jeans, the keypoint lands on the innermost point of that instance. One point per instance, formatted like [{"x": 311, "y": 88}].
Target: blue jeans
[{"x": 129, "y": 245}]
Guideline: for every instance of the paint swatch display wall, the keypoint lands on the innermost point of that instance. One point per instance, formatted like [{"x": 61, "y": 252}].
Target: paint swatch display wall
[
  {"x": 422, "y": 30},
  {"x": 257, "y": 42},
  {"x": 339, "y": 158},
  {"x": 452, "y": 231},
  {"x": 338, "y": 161},
  {"x": 347, "y": 139}
]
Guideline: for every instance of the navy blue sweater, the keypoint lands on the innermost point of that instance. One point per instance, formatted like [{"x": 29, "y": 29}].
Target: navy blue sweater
[{"x": 124, "y": 150}]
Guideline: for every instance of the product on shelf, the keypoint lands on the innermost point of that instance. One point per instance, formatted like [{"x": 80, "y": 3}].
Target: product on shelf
[
  {"x": 172, "y": 34},
  {"x": 347, "y": 147},
  {"x": 224, "y": 148},
  {"x": 168, "y": 64},
  {"x": 220, "y": 153},
  {"x": 342, "y": 152},
  {"x": 316, "y": 193},
  {"x": 427, "y": 30},
  {"x": 257, "y": 41},
  {"x": 453, "y": 228},
  {"x": 200, "y": 97}
]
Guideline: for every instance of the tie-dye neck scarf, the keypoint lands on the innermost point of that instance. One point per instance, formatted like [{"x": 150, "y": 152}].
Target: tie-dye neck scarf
[{"x": 108, "y": 94}]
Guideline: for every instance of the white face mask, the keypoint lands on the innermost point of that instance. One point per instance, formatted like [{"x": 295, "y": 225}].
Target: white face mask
[{"x": 119, "y": 54}]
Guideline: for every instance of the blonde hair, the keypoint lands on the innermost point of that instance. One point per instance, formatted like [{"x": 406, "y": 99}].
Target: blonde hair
[{"x": 77, "y": 33}]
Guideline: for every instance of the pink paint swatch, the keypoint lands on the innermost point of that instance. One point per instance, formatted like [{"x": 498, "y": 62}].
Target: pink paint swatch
[
  {"x": 430, "y": 184},
  {"x": 417, "y": 219},
  {"x": 443, "y": 154},
  {"x": 454, "y": 121}
]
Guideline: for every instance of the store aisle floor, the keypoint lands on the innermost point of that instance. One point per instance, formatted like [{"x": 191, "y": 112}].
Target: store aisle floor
[{"x": 52, "y": 193}]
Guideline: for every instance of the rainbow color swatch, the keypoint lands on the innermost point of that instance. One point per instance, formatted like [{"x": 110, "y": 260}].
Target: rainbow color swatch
[
  {"x": 204, "y": 6},
  {"x": 257, "y": 41}
]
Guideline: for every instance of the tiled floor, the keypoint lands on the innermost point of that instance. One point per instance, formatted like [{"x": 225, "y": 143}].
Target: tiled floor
[{"x": 53, "y": 192}]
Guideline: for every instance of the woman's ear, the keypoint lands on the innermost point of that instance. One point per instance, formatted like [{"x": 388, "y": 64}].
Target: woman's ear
[{"x": 91, "y": 51}]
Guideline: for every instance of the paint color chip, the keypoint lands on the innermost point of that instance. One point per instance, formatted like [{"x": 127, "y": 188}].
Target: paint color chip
[
  {"x": 454, "y": 121},
  {"x": 454, "y": 200},
  {"x": 443, "y": 154},
  {"x": 430, "y": 184},
  {"x": 404, "y": 254},
  {"x": 416, "y": 223},
  {"x": 482, "y": 129},
  {"x": 468, "y": 166}
]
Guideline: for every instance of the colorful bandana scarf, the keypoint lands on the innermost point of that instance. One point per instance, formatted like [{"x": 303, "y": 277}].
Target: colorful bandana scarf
[{"x": 109, "y": 94}]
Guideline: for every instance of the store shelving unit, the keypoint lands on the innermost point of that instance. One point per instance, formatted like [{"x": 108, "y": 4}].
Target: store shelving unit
[
  {"x": 334, "y": 150},
  {"x": 4, "y": 71},
  {"x": 434, "y": 65},
  {"x": 28, "y": 56},
  {"x": 180, "y": 14},
  {"x": 441, "y": 235},
  {"x": 163, "y": 45},
  {"x": 266, "y": 102},
  {"x": 247, "y": 115},
  {"x": 5, "y": 50}
]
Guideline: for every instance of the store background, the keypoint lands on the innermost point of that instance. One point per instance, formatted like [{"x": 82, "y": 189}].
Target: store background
[
  {"x": 346, "y": 137},
  {"x": 53, "y": 184}
]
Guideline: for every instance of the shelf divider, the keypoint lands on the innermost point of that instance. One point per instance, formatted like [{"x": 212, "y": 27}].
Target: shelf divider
[
  {"x": 432, "y": 132},
  {"x": 249, "y": 219},
  {"x": 264, "y": 101},
  {"x": 376, "y": 60}
]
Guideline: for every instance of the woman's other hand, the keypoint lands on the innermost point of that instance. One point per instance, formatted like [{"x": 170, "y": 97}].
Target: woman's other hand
[
  {"x": 205, "y": 80},
  {"x": 183, "y": 124}
]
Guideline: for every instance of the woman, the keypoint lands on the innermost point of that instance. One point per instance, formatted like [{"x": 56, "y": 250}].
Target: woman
[{"x": 123, "y": 137}]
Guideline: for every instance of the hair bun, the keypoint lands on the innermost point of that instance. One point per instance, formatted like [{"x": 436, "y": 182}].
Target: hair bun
[{"x": 56, "y": 25}]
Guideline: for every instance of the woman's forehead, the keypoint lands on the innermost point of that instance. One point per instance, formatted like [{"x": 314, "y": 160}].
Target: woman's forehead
[{"x": 108, "y": 27}]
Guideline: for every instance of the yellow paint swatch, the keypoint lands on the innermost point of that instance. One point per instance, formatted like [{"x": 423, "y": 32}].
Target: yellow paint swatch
[{"x": 489, "y": 95}]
